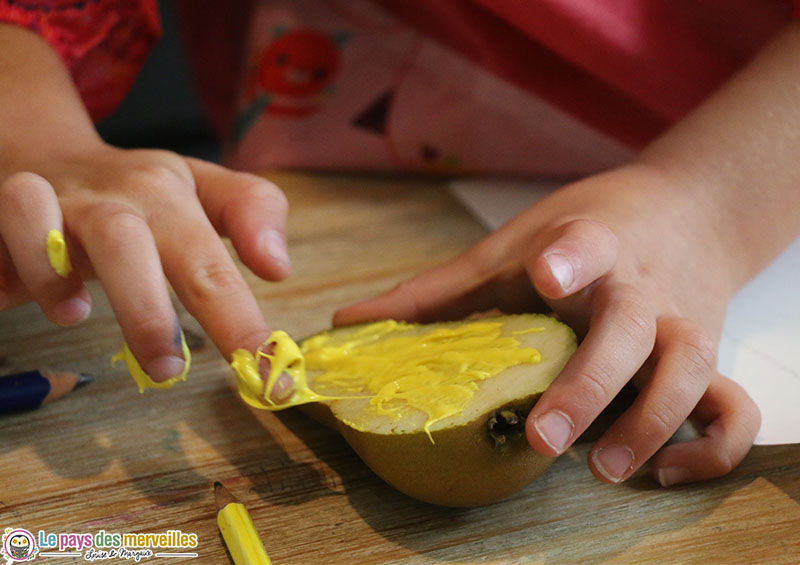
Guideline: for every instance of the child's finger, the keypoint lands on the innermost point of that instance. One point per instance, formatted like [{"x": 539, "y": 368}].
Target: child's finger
[
  {"x": 121, "y": 248},
  {"x": 12, "y": 291},
  {"x": 582, "y": 252},
  {"x": 251, "y": 211},
  {"x": 207, "y": 281},
  {"x": 620, "y": 338},
  {"x": 731, "y": 421},
  {"x": 29, "y": 211},
  {"x": 684, "y": 363},
  {"x": 479, "y": 279}
]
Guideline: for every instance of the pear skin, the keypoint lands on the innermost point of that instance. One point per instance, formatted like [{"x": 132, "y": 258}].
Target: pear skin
[{"x": 472, "y": 458}]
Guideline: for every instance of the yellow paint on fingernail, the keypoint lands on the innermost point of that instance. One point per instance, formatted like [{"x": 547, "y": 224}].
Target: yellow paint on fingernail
[
  {"x": 142, "y": 379},
  {"x": 57, "y": 253}
]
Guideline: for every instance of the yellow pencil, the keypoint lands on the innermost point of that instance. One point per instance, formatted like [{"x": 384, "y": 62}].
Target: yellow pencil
[{"x": 237, "y": 529}]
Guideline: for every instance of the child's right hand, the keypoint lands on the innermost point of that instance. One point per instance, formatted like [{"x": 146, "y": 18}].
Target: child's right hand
[
  {"x": 130, "y": 218},
  {"x": 135, "y": 219}
]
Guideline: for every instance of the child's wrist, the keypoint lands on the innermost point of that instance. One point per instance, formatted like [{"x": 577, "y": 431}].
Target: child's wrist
[{"x": 43, "y": 116}]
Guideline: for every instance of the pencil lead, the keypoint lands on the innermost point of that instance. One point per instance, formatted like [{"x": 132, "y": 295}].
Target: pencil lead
[{"x": 83, "y": 380}]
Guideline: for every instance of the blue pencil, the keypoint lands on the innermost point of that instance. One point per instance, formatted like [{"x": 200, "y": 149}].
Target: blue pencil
[{"x": 30, "y": 390}]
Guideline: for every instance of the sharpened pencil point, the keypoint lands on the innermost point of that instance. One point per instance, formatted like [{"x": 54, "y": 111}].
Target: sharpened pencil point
[
  {"x": 83, "y": 380},
  {"x": 222, "y": 496}
]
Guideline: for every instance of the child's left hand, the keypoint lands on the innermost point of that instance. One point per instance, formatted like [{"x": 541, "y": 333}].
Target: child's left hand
[
  {"x": 644, "y": 260},
  {"x": 632, "y": 262}
]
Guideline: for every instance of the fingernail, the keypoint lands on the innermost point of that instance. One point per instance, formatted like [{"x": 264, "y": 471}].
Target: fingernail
[
  {"x": 164, "y": 368},
  {"x": 673, "y": 475},
  {"x": 274, "y": 244},
  {"x": 613, "y": 461},
  {"x": 561, "y": 269},
  {"x": 555, "y": 428},
  {"x": 70, "y": 312},
  {"x": 282, "y": 389}
]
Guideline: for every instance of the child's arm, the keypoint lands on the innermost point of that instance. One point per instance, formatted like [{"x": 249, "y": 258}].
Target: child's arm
[
  {"x": 130, "y": 217},
  {"x": 644, "y": 259}
]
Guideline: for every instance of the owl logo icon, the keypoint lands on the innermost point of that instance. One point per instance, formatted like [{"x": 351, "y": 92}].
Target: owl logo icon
[{"x": 18, "y": 545}]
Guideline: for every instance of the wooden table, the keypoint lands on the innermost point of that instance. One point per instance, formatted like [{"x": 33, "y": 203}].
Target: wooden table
[{"x": 106, "y": 458}]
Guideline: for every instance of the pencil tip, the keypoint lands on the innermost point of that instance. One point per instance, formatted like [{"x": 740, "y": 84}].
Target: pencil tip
[
  {"x": 84, "y": 379},
  {"x": 222, "y": 497}
]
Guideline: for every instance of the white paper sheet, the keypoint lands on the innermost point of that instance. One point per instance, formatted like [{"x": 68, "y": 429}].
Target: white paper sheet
[{"x": 760, "y": 346}]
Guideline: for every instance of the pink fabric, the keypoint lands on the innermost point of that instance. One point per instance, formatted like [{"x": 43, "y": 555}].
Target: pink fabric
[
  {"x": 666, "y": 55},
  {"x": 627, "y": 67},
  {"x": 547, "y": 87},
  {"x": 391, "y": 97}
]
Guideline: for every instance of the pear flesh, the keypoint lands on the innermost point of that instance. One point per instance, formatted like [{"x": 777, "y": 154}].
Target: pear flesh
[{"x": 474, "y": 457}]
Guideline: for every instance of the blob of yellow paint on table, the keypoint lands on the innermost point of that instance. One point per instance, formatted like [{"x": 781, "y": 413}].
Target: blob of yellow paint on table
[{"x": 238, "y": 530}]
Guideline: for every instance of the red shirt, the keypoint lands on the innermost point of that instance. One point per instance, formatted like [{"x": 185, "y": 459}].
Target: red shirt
[{"x": 628, "y": 68}]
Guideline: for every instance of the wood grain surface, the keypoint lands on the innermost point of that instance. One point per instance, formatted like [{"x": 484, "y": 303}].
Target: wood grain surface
[{"x": 107, "y": 458}]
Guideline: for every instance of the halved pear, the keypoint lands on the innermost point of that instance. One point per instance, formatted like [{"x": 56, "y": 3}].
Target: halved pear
[{"x": 473, "y": 457}]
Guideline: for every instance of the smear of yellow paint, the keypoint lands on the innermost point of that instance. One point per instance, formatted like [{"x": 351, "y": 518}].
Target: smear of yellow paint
[
  {"x": 284, "y": 357},
  {"x": 57, "y": 253},
  {"x": 142, "y": 379},
  {"x": 390, "y": 362}
]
